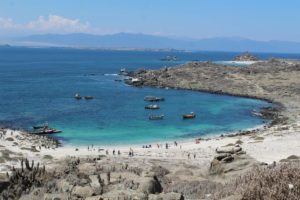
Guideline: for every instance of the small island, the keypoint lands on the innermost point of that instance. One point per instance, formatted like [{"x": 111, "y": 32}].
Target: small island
[{"x": 246, "y": 57}]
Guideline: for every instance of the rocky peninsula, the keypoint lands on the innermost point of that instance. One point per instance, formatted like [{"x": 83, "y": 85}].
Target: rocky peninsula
[{"x": 275, "y": 81}]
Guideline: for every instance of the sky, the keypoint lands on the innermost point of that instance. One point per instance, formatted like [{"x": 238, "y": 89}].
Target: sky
[{"x": 195, "y": 19}]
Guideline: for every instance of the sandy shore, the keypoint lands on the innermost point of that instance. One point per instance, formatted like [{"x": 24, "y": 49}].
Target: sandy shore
[{"x": 264, "y": 145}]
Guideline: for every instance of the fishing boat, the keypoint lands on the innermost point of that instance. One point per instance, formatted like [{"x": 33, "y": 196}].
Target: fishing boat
[
  {"x": 88, "y": 97},
  {"x": 45, "y": 125},
  {"x": 153, "y": 98},
  {"x": 77, "y": 96},
  {"x": 156, "y": 117},
  {"x": 152, "y": 107},
  {"x": 191, "y": 115}
]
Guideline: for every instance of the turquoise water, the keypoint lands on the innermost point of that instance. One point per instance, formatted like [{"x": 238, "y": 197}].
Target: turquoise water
[{"x": 38, "y": 85}]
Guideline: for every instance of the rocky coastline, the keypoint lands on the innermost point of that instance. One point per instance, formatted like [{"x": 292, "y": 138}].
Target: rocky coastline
[{"x": 262, "y": 80}]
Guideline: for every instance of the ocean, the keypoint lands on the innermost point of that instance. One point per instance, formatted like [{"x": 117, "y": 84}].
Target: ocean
[{"x": 37, "y": 85}]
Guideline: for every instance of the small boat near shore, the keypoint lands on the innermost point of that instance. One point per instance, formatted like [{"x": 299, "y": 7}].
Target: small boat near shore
[
  {"x": 123, "y": 72},
  {"x": 77, "y": 96},
  {"x": 152, "y": 107},
  {"x": 156, "y": 117},
  {"x": 88, "y": 97},
  {"x": 40, "y": 126},
  {"x": 153, "y": 98},
  {"x": 191, "y": 115}
]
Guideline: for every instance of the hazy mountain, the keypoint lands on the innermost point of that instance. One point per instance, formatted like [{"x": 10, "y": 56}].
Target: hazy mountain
[{"x": 128, "y": 40}]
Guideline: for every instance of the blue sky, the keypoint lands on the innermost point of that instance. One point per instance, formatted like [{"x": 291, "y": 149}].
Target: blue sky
[{"x": 254, "y": 19}]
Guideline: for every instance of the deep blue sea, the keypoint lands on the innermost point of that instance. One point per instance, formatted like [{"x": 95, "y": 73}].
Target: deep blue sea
[{"x": 37, "y": 85}]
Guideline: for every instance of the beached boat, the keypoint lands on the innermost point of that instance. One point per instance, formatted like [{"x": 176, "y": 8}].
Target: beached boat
[
  {"x": 152, "y": 107},
  {"x": 88, "y": 97},
  {"x": 192, "y": 115},
  {"x": 153, "y": 98},
  {"x": 156, "y": 117},
  {"x": 77, "y": 96}
]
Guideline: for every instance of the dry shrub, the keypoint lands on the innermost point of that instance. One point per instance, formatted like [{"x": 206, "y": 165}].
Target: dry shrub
[{"x": 279, "y": 182}]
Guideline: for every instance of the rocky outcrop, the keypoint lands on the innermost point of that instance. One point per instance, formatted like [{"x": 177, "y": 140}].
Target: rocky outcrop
[
  {"x": 150, "y": 186},
  {"x": 230, "y": 160},
  {"x": 267, "y": 80},
  {"x": 245, "y": 57},
  {"x": 82, "y": 192}
]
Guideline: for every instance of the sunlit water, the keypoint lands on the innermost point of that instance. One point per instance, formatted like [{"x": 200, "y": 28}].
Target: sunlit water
[{"x": 38, "y": 85}]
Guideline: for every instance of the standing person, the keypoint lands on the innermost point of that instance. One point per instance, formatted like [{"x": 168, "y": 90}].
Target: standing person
[
  {"x": 119, "y": 152},
  {"x": 114, "y": 152}
]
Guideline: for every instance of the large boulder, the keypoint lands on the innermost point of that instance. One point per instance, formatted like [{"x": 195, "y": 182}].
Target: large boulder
[
  {"x": 229, "y": 149},
  {"x": 87, "y": 168},
  {"x": 167, "y": 196},
  {"x": 82, "y": 192},
  {"x": 150, "y": 185},
  {"x": 49, "y": 196},
  {"x": 121, "y": 195},
  {"x": 64, "y": 185}
]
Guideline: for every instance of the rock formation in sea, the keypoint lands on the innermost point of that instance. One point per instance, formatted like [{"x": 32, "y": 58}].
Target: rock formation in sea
[{"x": 245, "y": 57}]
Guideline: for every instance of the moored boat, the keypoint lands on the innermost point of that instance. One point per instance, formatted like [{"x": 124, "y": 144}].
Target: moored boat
[
  {"x": 152, "y": 107},
  {"x": 192, "y": 115},
  {"x": 45, "y": 125},
  {"x": 153, "y": 98},
  {"x": 88, "y": 97},
  {"x": 77, "y": 96},
  {"x": 123, "y": 72},
  {"x": 156, "y": 117}
]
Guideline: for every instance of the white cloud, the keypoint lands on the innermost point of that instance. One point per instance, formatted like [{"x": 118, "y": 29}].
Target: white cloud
[
  {"x": 50, "y": 24},
  {"x": 7, "y": 23}
]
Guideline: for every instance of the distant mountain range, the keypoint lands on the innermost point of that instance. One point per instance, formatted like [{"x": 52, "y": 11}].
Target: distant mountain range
[{"x": 142, "y": 41}]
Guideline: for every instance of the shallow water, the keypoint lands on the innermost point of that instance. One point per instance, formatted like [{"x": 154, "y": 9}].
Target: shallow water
[{"x": 38, "y": 85}]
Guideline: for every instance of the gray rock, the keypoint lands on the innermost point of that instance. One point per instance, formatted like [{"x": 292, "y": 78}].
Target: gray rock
[
  {"x": 221, "y": 156},
  {"x": 82, "y": 192},
  {"x": 150, "y": 186},
  {"x": 229, "y": 149},
  {"x": 65, "y": 186},
  {"x": 167, "y": 196},
  {"x": 49, "y": 196},
  {"x": 228, "y": 159}
]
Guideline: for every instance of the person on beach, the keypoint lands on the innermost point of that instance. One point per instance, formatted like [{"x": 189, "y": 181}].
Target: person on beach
[
  {"x": 167, "y": 146},
  {"x": 114, "y": 152},
  {"x": 119, "y": 152},
  {"x": 188, "y": 155},
  {"x": 175, "y": 143},
  {"x": 194, "y": 156}
]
